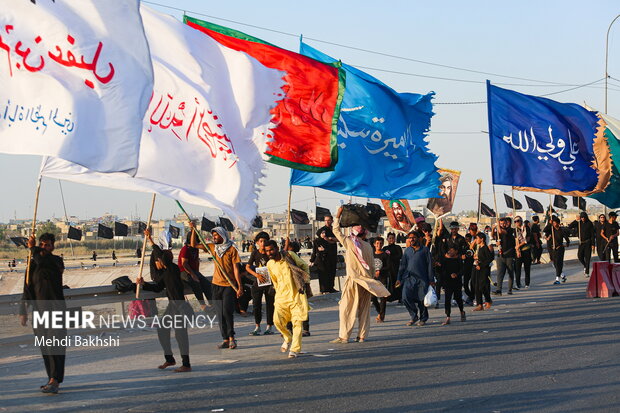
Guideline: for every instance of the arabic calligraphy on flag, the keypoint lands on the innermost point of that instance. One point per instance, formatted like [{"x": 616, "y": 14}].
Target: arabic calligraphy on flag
[
  {"x": 382, "y": 151},
  {"x": 542, "y": 145},
  {"x": 76, "y": 80},
  {"x": 202, "y": 136},
  {"x": 309, "y": 103}
]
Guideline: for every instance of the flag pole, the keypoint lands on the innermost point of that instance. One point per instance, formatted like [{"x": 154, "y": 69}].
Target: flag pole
[
  {"x": 62, "y": 196},
  {"x": 479, "y": 182},
  {"x": 148, "y": 225},
  {"x": 579, "y": 219},
  {"x": 315, "y": 217},
  {"x": 499, "y": 239},
  {"x": 552, "y": 232},
  {"x": 514, "y": 205},
  {"x": 203, "y": 242},
  {"x": 288, "y": 219},
  {"x": 34, "y": 226}
]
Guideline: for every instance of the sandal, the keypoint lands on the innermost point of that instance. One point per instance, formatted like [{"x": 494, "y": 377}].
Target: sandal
[
  {"x": 183, "y": 369},
  {"x": 233, "y": 344},
  {"x": 445, "y": 323},
  {"x": 284, "y": 347},
  {"x": 410, "y": 323},
  {"x": 225, "y": 344},
  {"x": 166, "y": 364},
  {"x": 50, "y": 388},
  {"x": 339, "y": 341}
]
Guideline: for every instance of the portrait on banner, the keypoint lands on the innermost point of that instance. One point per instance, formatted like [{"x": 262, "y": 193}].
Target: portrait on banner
[
  {"x": 399, "y": 214},
  {"x": 449, "y": 181}
]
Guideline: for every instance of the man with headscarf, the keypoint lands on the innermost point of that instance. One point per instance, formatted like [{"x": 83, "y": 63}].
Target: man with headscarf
[
  {"x": 289, "y": 275},
  {"x": 226, "y": 278},
  {"x": 359, "y": 284},
  {"x": 415, "y": 274},
  {"x": 585, "y": 231}
]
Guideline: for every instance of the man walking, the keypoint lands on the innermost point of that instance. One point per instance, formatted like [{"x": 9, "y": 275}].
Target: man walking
[
  {"x": 524, "y": 253},
  {"x": 507, "y": 255},
  {"x": 555, "y": 237},
  {"x": 359, "y": 285},
  {"x": 395, "y": 254},
  {"x": 289, "y": 275},
  {"x": 258, "y": 262},
  {"x": 585, "y": 232},
  {"x": 331, "y": 254},
  {"x": 44, "y": 293},
  {"x": 610, "y": 235},
  {"x": 415, "y": 274}
]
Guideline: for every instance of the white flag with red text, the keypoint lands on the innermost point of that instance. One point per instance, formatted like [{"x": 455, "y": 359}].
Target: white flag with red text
[
  {"x": 204, "y": 131},
  {"x": 76, "y": 78}
]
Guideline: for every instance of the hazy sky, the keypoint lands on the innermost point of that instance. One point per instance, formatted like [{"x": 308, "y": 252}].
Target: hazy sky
[{"x": 550, "y": 41}]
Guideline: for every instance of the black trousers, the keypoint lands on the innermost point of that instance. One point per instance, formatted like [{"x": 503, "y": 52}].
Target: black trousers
[
  {"x": 482, "y": 285},
  {"x": 380, "y": 303},
  {"x": 525, "y": 261},
  {"x": 327, "y": 275},
  {"x": 224, "y": 301},
  {"x": 558, "y": 260},
  {"x": 201, "y": 288},
  {"x": 536, "y": 253},
  {"x": 584, "y": 254},
  {"x": 53, "y": 356},
  {"x": 612, "y": 249},
  {"x": 468, "y": 286},
  {"x": 176, "y": 308},
  {"x": 257, "y": 303},
  {"x": 455, "y": 290}
]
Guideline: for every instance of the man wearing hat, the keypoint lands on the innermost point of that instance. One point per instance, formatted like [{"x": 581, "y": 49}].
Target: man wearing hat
[{"x": 585, "y": 232}]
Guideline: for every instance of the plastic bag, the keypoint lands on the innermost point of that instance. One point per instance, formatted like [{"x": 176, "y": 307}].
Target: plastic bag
[{"x": 430, "y": 299}]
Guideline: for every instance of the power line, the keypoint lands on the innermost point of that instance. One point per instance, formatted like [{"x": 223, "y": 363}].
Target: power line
[{"x": 364, "y": 50}]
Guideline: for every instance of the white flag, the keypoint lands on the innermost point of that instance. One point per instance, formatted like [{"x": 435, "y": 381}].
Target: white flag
[
  {"x": 204, "y": 131},
  {"x": 76, "y": 80}
]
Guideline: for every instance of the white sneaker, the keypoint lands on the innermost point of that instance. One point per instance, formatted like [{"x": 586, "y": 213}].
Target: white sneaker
[{"x": 292, "y": 354}]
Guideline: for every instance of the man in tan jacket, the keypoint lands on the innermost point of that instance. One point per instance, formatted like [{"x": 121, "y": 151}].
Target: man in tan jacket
[{"x": 359, "y": 284}]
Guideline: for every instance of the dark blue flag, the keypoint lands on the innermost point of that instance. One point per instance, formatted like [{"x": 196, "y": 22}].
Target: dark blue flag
[
  {"x": 539, "y": 143},
  {"x": 382, "y": 152}
]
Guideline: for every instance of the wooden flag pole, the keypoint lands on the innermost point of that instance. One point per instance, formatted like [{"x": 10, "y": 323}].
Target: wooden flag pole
[
  {"x": 552, "y": 231},
  {"x": 288, "y": 220},
  {"x": 34, "y": 227},
  {"x": 148, "y": 225},
  {"x": 479, "y": 182},
  {"x": 203, "y": 242},
  {"x": 499, "y": 239},
  {"x": 62, "y": 196},
  {"x": 579, "y": 219},
  {"x": 514, "y": 205}
]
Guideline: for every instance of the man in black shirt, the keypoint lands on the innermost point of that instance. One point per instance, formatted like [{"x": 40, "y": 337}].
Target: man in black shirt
[
  {"x": 555, "y": 237},
  {"x": 585, "y": 231},
  {"x": 506, "y": 256},
  {"x": 536, "y": 240},
  {"x": 43, "y": 292},
  {"x": 609, "y": 233},
  {"x": 394, "y": 253},
  {"x": 331, "y": 256},
  {"x": 258, "y": 262},
  {"x": 166, "y": 274}
]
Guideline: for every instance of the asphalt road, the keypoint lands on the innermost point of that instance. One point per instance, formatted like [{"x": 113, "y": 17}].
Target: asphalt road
[{"x": 546, "y": 349}]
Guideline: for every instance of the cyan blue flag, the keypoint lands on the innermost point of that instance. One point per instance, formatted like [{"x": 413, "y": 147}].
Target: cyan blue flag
[
  {"x": 540, "y": 143},
  {"x": 382, "y": 152}
]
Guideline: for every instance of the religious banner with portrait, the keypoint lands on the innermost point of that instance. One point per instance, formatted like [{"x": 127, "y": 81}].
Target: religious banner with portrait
[
  {"x": 449, "y": 181},
  {"x": 399, "y": 214}
]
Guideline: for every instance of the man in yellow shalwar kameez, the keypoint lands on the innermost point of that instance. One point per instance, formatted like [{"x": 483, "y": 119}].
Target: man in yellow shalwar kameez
[
  {"x": 291, "y": 302},
  {"x": 359, "y": 285}
]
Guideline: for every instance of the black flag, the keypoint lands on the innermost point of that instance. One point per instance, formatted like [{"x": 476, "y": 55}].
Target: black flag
[
  {"x": 20, "y": 241},
  {"x": 485, "y": 210},
  {"x": 105, "y": 232},
  {"x": 559, "y": 201},
  {"x": 175, "y": 232},
  {"x": 375, "y": 209},
  {"x": 517, "y": 204},
  {"x": 534, "y": 205},
  {"x": 299, "y": 217},
  {"x": 227, "y": 224},
  {"x": 321, "y": 213},
  {"x": 207, "y": 225},
  {"x": 141, "y": 227},
  {"x": 579, "y": 202},
  {"x": 120, "y": 229},
  {"x": 257, "y": 222},
  {"x": 74, "y": 233}
]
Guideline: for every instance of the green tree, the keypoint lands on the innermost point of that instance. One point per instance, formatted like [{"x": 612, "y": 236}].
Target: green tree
[{"x": 48, "y": 227}]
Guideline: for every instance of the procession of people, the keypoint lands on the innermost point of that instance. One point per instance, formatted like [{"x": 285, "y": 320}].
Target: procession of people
[{"x": 376, "y": 274}]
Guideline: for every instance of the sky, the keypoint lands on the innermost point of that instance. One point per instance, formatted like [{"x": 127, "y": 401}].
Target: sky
[{"x": 529, "y": 43}]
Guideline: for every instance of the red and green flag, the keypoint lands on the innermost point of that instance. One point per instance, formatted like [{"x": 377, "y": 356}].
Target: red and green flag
[{"x": 305, "y": 136}]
